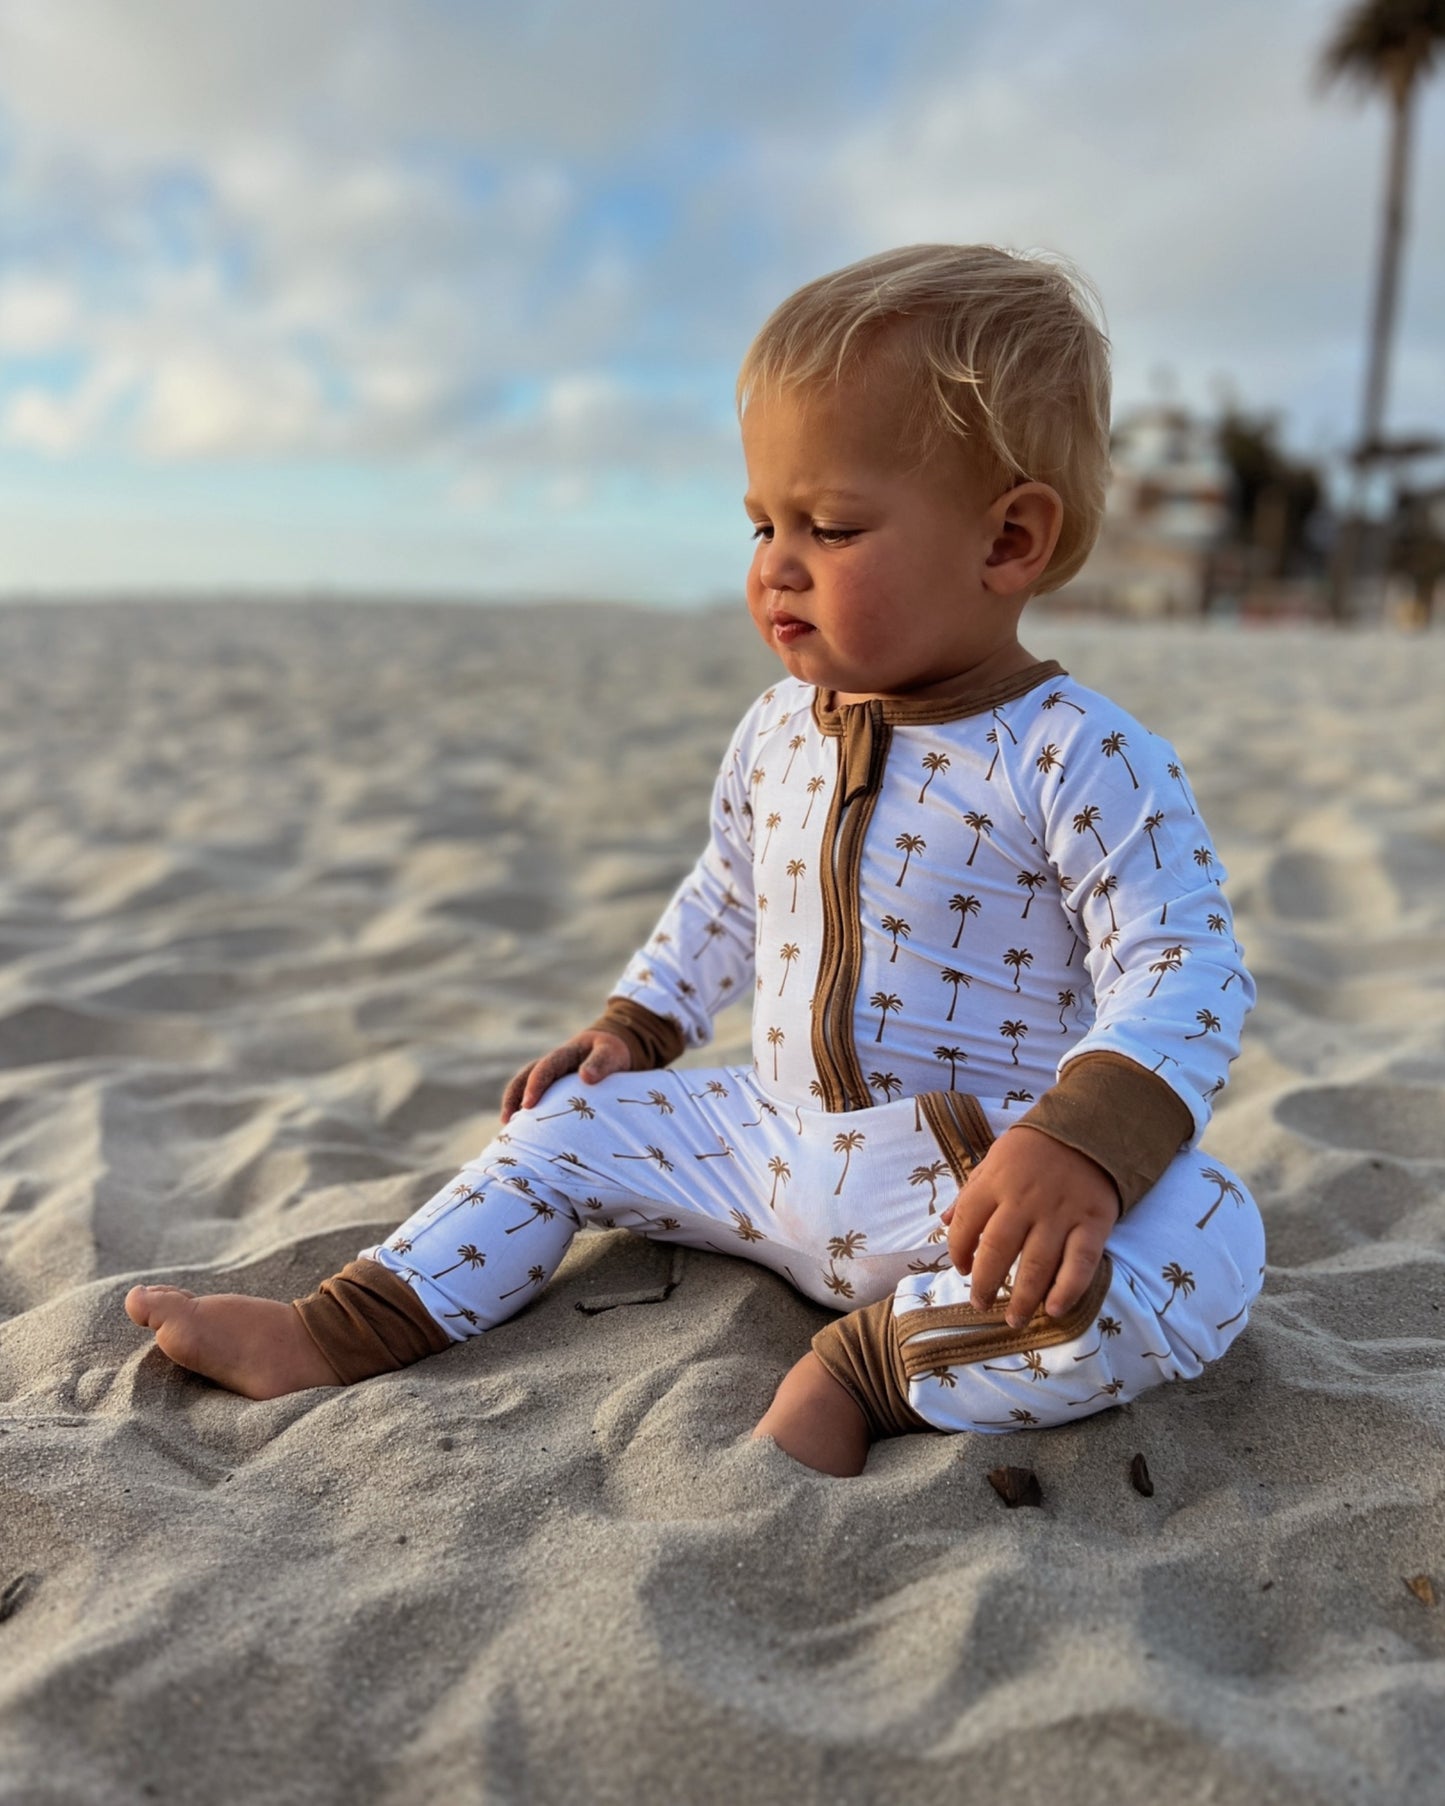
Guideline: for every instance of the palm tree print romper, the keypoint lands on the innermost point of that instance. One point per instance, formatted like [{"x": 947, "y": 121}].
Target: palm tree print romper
[{"x": 950, "y": 917}]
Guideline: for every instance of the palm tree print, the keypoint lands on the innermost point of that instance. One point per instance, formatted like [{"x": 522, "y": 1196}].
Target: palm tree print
[
  {"x": 1203, "y": 857},
  {"x": 1103, "y": 892},
  {"x": 1018, "y": 1418},
  {"x": 1055, "y": 697},
  {"x": 1226, "y": 1189},
  {"x": 776, "y": 1038},
  {"x": 787, "y": 953},
  {"x": 764, "y": 1109},
  {"x": 1178, "y": 777},
  {"x": 711, "y": 931},
  {"x": 782, "y": 1173},
  {"x": 1032, "y": 1365},
  {"x": 773, "y": 823},
  {"x": 928, "y": 1266},
  {"x": 1033, "y": 882},
  {"x": 964, "y": 907},
  {"x": 400, "y": 1246},
  {"x": 1178, "y": 1280},
  {"x": 933, "y": 763},
  {"x": 908, "y": 845},
  {"x": 887, "y": 1083},
  {"x": 797, "y": 868},
  {"x": 846, "y": 1144},
  {"x": 724, "y": 1152},
  {"x": 1152, "y": 824},
  {"x": 1067, "y": 1000},
  {"x": 1217, "y": 923},
  {"x": 1049, "y": 760},
  {"x": 1209, "y": 1024},
  {"x": 795, "y": 746},
  {"x": 849, "y": 1246},
  {"x": 1015, "y": 1032},
  {"x": 542, "y": 1212},
  {"x": 897, "y": 927},
  {"x": 578, "y": 1105},
  {"x": 885, "y": 1003},
  {"x": 929, "y": 1176},
  {"x": 1084, "y": 824},
  {"x": 656, "y": 1100},
  {"x": 713, "y": 1088},
  {"x": 464, "y": 1315},
  {"x": 1005, "y": 726},
  {"x": 1108, "y": 1328},
  {"x": 944, "y": 1376},
  {"x": 1018, "y": 958},
  {"x": 951, "y": 976},
  {"x": 1108, "y": 944},
  {"x": 814, "y": 786},
  {"x": 981, "y": 825},
  {"x": 744, "y": 1228},
  {"x": 1111, "y": 1390},
  {"x": 991, "y": 739},
  {"x": 952, "y": 1055},
  {"x": 1170, "y": 960},
  {"x": 470, "y": 1257},
  {"x": 1018, "y": 1097},
  {"x": 838, "y": 1282},
  {"x": 664, "y": 1165},
  {"x": 1112, "y": 746},
  {"x": 536, "y": 1276}
]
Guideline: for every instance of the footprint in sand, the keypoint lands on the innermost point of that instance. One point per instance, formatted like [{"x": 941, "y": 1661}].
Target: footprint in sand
[{"x": 1402, "y": 1121}]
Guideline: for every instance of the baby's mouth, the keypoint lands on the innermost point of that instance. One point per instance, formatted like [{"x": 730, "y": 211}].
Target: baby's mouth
[{"x": 787, "y": 628}]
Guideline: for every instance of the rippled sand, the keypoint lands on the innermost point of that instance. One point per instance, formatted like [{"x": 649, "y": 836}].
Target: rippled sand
[{"x": 285, "y": 895}]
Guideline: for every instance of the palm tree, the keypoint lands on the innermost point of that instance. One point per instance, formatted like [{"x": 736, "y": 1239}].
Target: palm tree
[
  {"x": 1067, "y": 1000},
  {"x": 776, "y": 1038},
  {"x": 713, "y": 1088},
  {"x": 773, "y": 823},
  {"x": 933, "y": 763},
  {"x": 1033, "y": 1366},
  {"x": 887, "y": 1083},
  {"x": 1047, "y": 760},
  {"x": 1032, "y": 882},
  {"x": 849, "y": 1246},
  {"x": 1107, "y": 945},
  {"x": 1179, "y": 1281},
  {"x": 542, "y": 1212},
  {"x": 724, "y": 1152},
  {"x": 781, "y": 1172},
  {"x": 929, "y": 1176},
  {"x": 951, "y": 976},
  {"x": 795, "y": 746},
  {"x": 1217, "y": 924},
  {"x": 1170, "y": 960},
  {"x": 1178, "y": 776},
  {"x": 1386, "y": 47},
  {"x": 745, "y": 1229},
  {"x": 964, "y": 907},
  {"x": 1208, "y": 1024},
  {"x": 1084, "y": 824},
  {"x": 952, "y": 1055},
  {"x": 991, "y": 739},
  {"x": 845, "y": 1144},
  {"x": 836, "y": 1282},
  {"x": 1108, "y": 1328},
  {"x": 470, "y": 1257},
  {"x": 710, "y": 931},
  {"x": 797, "y": 868},
  {"x": 1018, "y": 1418},
  {"x": 1152, "y": 824},
  {"x": 885, "y": 1003},
  {"x": 535, "y": 1276},
  {"x": 1015, "y": 1032},
  {"x": 1018, "y": 1097},
  {"x": 814, "y": 786},
  {"x": 944, "y": 1376},
  {"x": 1112, "y": 746},
  {"x": 787, "y": 953},
  {"x": 1005, "y": 726},
  {"x": 578, "y": 1105},
  {"x": 981, "y": 825},
  {"x": 908, "y": 845},
  {"x": 657, "y": 1100},
  {"x": 896, "y": 926},
  {"x": 1227, "y": 1189},
  {"x": 1104, "y": 891},
  {"x": 664, "y": 1165},
  {"x": 1018, "y": 958},
  {"x": 1111, "y": 1389},
  {"x": 1204, "y": 858},
  {"x": 1055, "y": 697}
]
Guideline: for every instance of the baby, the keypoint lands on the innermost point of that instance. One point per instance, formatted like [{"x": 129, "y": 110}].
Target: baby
[{"x": 994, "y": 985}]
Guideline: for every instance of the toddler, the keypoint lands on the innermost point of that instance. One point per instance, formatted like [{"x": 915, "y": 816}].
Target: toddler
[{"x": 993, "y": 979}]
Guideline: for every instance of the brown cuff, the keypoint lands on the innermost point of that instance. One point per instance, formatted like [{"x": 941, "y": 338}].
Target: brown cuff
[
  {"x": 651, "y": 1040},
  {"x": 367, "y": 1321},
  {"x": 1127, "y": 1120},
  {"x": 861, "y": 1354}
]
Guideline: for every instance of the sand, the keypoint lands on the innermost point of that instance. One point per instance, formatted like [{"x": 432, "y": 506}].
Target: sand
[{"x": 286, "y": 894}]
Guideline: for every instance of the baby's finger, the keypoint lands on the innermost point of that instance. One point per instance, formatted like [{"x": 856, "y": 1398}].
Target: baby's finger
[
  {"x": 606, "y": 1057},
  {"x": 996, "y": 1251},
  {"x": 1038, "y": 1263},
  {"x": 1082, "y": 1253},
  {"x": 547, "y": 1071},
  {"x": 512, "y": 1096}
]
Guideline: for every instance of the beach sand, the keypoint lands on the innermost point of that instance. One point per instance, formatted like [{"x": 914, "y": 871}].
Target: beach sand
[{"x": 286, "y": 895}]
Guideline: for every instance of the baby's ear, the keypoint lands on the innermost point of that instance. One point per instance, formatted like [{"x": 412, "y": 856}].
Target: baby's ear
[{"x": 1026, "y": 523}]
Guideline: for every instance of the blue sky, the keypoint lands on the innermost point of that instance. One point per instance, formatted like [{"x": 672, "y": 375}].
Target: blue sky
[{"x": 429, "y": 296}]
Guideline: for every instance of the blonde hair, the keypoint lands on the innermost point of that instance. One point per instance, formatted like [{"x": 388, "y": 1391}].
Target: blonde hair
[{"x": 1001, "y": 352}]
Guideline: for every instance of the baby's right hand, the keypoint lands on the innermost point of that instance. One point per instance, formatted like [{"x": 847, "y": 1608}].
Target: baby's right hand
[{"x": 592, "y": 1055}]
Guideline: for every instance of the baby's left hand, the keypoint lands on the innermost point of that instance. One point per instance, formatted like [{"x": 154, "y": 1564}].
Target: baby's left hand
[{"x": 1032, "y": 1199}]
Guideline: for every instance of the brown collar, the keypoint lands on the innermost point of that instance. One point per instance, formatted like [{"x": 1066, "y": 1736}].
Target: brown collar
[{"x": 955, "y": 704}]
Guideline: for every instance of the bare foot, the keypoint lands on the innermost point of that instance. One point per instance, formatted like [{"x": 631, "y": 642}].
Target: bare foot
[
  {"x": 815, "y": 1420},
  {"x": 253, "y": 1346}
]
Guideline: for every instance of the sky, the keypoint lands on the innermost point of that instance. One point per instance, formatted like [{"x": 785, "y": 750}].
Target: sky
[{"x": 447, "y": 297}]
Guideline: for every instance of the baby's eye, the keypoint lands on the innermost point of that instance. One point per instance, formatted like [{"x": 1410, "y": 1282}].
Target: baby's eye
[
  {"x": 834, "y": 536},
  {"x": 761, "y": 530}
]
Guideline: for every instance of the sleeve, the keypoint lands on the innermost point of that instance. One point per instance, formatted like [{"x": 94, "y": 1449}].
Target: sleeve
[
  {"x": 699, "y": 958},
  {"x": 1142, "y": 887}
]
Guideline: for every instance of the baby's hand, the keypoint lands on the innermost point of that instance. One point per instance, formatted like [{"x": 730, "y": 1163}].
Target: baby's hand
[
  {"x": 1031, "y": 1196},
  {"x": 592, "y": 1055}
]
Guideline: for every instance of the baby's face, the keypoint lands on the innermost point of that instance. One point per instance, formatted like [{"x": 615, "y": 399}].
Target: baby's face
[{"x": 870, "y": 575}]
